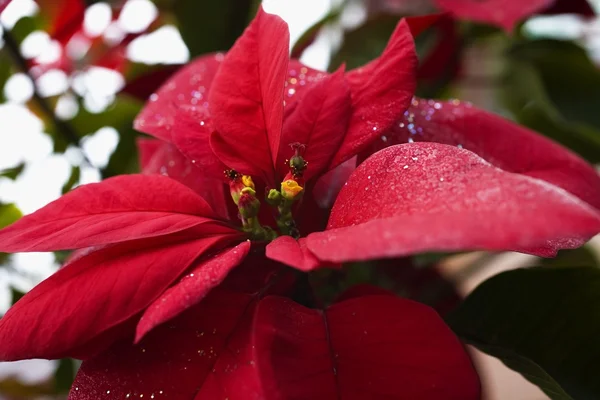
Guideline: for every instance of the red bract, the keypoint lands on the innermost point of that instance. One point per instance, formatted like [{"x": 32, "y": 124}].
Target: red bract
[
  {"x": 502, "y": 13},
  {"x": 241, "y": 343},
  {"x": 255, "y": 122},
  {"x": 4, "y": 4}
]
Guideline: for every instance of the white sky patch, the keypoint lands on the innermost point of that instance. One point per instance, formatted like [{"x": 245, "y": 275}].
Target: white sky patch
[
  {"x": 51, "y": 53},
  {"x": 571, "y": 27},
  {"x": 34, "y": 265},
  {"x": 29, "y": 371},
  {"x": 39, "y": 183},
  {"x": 99, "y": 81},
  {"x": 21, "y": 137},
  {"x": 52, "y": 83},
  {"x": 137, "y": 15},
  {"x": 98, "y": 87},
  {"x": 163, "y": 46},
  {"x": 66, "y": 107},
  {"x": 16, "y": 10},
  {"x": 89, "y": 175},
  {"x": 18, "y": 88},
  {"x": 317, "y": 55},
  {"x": 299, "y": 15},
  {"x": 114, "y": 34},
  {"x": 33, "y": 45},
  {"x": 78, "y": 46},
  {"x": 354, "y": 14},
  {"x": 99, "y": 146},
  {"x": 97, "y": 18}
]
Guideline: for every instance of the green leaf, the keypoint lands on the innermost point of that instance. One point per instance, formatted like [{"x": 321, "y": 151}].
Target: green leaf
[
  {"x": 16, "y": 295},
  {"x": 583, "y": 257},
  {"x": 570, "y": 78},
  {"x": 542, "y": 322},
  {"x": 208, "y": 26},
  {"x": 551, "y": 87},
  {"x": 364, "y": 43},
  {"x": 311, "y": 33},
  {"x": 5, "y": 72},
  {"x": 73, "y": 179},
  {"x": 25, "y": 26},
  {"x": 64, "y": 375},
  {"x": 12, "y": 173},
  {"x": 9, "y": 213}
]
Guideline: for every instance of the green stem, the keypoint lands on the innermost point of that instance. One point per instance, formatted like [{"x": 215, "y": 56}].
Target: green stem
[{"x": 285, "y": 221}]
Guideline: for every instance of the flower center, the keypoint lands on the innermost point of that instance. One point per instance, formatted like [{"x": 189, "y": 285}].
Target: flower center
[{"x": 243, "y": 193}]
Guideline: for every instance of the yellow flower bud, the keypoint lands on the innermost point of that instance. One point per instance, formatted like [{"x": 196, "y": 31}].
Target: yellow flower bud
[{"x": 290, "y": 189}]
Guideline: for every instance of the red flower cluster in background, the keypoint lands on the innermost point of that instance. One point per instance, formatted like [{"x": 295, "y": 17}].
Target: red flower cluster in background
[{"x": 183, "y": 288}]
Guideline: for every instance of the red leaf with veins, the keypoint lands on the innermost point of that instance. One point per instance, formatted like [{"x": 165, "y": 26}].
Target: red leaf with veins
[
  {"x": 204, "y": 353},
  {"x": 502, "y": 13},
  {"x": 292, "y": 252},
  {"x": 147, "y": 149},
  {"x": 503, "y": 143},
  {"x": 299, "y": 80},
  {"x": 319, "y": 123},
  {"x": 371, "y": 347},
  {"x": 115, "y": 210},
  {"x": 188, "y": 87},
  {"x": 95, "y": 293},
  {"x": 381, "y": 90},
  {"x": 431, "y": 197},
  {"x": 193, "y": 128},
  {"x": 158, "y": 157},
  {"x": 249, "y": 85},
  {"x": 192, "y": 288},
  {"x": 141, "y": 87}
]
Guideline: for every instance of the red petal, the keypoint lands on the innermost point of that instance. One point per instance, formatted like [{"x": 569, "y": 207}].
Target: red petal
[
  {"x": 193, "y": 128},
  {"x": 318, "y": 122},
  {"x": 143, "y": 86},
  {"x": 329, "y": 185},
  {"x": 118, "y": 209},
  {"x": 192, "y": 288},
  {"x": 502, "y": 13},
  {"x": 503, "y": 143},
  {"x": 246, "y": 100},
  {"x": 300, "y": 79},
  {"x": 203, "y": 353},
  {"x": 158, "y": 157},
  {"x": 188, "y": 87},
  {"x": 427, "y": 196},
  {"x": 371, "y": 347},
  {"x": 3, "y": 4},
  {"x": 94, "y": 293},
  {"x": 147, "y": 149},
  {"x": 381, "y": 90},
  {"x": 421, "y": 23},
  {"x": 294, "y": 253},
  {"x": 68, "y": 19}
]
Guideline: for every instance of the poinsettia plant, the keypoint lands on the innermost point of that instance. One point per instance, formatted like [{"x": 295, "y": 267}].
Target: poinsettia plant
[{"x": 217, "y": 272}]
